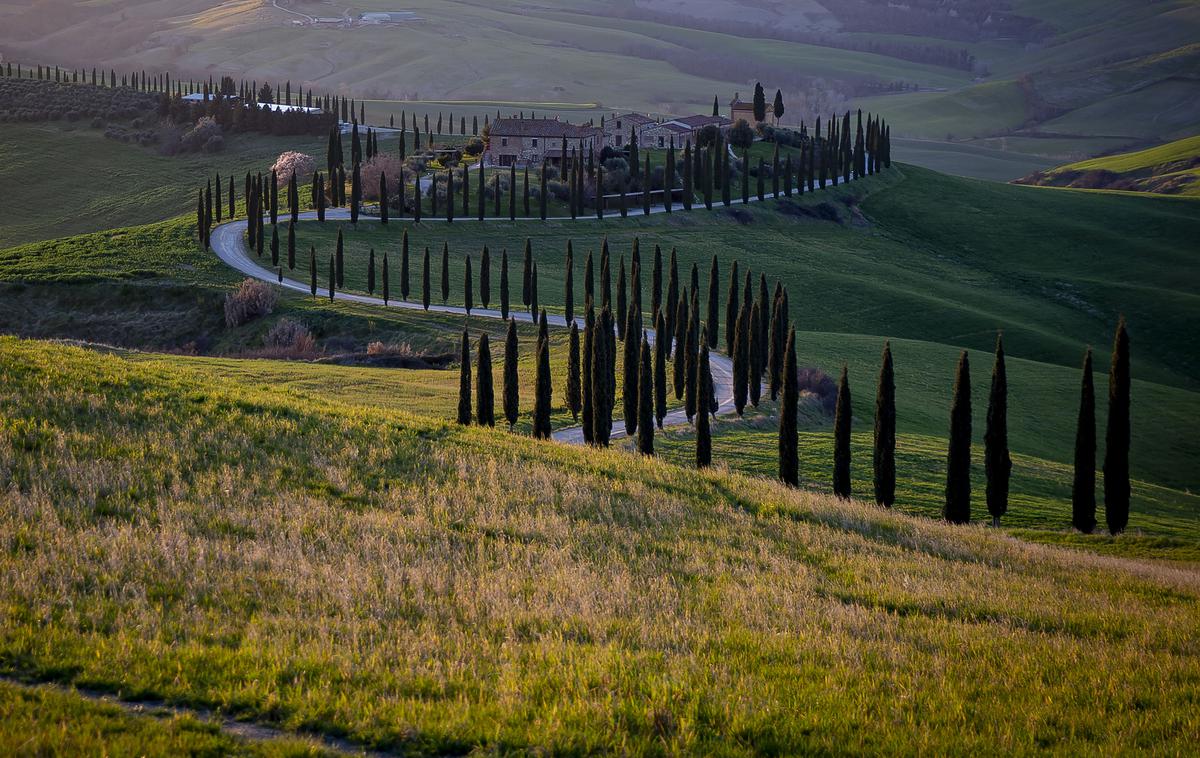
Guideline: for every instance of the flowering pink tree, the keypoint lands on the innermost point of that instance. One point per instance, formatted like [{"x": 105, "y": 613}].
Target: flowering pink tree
[
  {"x": 383, "y": 163},
  {"x": 303, "y": 165}
]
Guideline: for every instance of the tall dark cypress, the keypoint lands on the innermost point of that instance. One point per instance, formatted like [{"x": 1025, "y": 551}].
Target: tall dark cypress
[
  {"x": 526, "y": 271},
  {"x": 1116, "y": 439},
  {"x": 332, "y": 278},
  {"x": 605, "y": 275},
  {"x": 764, "y": 302},
  {"x": 589, "y": 280},
  {"x": 574, "y": 388},
  {"x": 585, "y": 389},
  {"x": 504, "y": 283},
  {"x": 601, "y": 355},
  {"x": 884, "y": 457},
  {"x": 340, "y": 259},
  {"x": 464, "y": 381},
  {"x": 957, "y": 509},
  {"x": 997, "y": 462},
  {"x": 232, "y": 198},
  {"x": 450, "y": 199},
  {"x": 485, "y": 396},
  {"x": 645, "y": 415},
  {"x": 703, "y": 391},
  {"x": 694, "y": 289},
  {"x": 1083, "y": 488},
  {"x": 481, "y": 193},
  {"x": 842, "y": 419},
  {"x": 542, "y": 387},
  {"x": 425, "y": 281},
  {"x": 512, "y": 390},
  {"x": 679, "y": 375},
  {"x": 371, "y": 272},
  {"x": 789, "y": 440},
  {"x": 355, "y": 194},
  {"x": 732, "y": 308},
  {"x": 533, "y": 290},
  {"x": 714, "y": 303},
  {"x": 746, "y": 176},
  {"x": 741, "y": 361},
  {"x": 756, "y": 359},
  {"x": 404, "y": 266},
  {"x": 661, "y": 337},
  {"x": 629, "y": 369},
  {"x": 485, "y": 276},
  {"x": 386, "y": 291},
  {"x": 312, "y": 270},
  {"x": 275, "y": 246},
  {"x": 691, "y": 356},
  {"x": 468, "y": 286}
]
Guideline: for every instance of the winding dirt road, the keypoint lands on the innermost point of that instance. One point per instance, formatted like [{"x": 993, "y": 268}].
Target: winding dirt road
[{"x": 228, "y": 244}]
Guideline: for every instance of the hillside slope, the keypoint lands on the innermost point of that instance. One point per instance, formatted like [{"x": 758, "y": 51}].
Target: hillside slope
[
  {"x": 305, "y": 562},
  {"x": 1170, "y": 169}
]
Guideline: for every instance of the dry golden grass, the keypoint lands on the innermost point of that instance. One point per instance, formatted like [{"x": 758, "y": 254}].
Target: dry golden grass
[{"x": 426, "y": 588}]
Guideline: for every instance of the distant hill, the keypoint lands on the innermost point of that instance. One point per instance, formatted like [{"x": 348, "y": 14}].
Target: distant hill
[{"x": 1171, "y": 169}]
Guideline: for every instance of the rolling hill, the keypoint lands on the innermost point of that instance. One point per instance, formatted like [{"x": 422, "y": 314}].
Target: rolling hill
[{"x": 1170, "y": 169}]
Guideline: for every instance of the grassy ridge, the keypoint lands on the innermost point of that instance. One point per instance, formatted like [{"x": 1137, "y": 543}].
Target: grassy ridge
[
  {"x": 367, "y": 597},
  {"x": 1173, "y": 168}
]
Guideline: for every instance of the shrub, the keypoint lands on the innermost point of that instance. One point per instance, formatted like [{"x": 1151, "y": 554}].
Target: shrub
[
  {"x": 397, "y": 349},
  {"x": 474, "y": 146},
  {"x": 253, "y": 299},
  {"x": 816, "y": 382},
  {"x": 741, "y": 135},
  {"x": 289, "y": 337},
  {"x": 301, "y": 164},
  {"x": 198, "y": 136},
  {"x": 214, "y": 144}
]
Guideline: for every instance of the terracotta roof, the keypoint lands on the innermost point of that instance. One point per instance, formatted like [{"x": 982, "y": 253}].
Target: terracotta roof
[
  {"x": 633, "y": 118},
  {"x": 540, "y": 127}
]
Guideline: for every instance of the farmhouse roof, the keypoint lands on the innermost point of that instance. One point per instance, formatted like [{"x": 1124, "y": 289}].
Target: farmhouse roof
[
  {"x": 699, "y": 122},
  {"x": 633, "y": 118},
  {"x": 540, "y": 127}
]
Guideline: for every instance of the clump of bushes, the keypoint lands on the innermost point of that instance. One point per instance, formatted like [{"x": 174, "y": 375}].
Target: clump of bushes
[
  {"x": 252, "y": 299},
  {"x": 816, "y": 382},
  {"x": 383, "y": 163},
  {"x": 289, "y": 338},
  {"x": 205, "y": 136}
]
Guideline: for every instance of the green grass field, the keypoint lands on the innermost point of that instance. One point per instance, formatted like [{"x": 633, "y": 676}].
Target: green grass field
[
  {"x": 1173, "y": 168},
  {"x": 303, "y": 561}
]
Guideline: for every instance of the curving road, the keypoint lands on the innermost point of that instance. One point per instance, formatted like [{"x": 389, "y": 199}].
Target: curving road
[{"x": 227, "y": 243}]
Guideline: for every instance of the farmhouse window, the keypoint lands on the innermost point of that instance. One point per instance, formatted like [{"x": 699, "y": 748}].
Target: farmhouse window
[
  {"x": 535, "y": 141},
  {"x": 504, "y": 142}
]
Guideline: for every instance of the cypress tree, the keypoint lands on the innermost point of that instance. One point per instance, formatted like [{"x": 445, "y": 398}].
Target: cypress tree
[
  {"x": 294, "y": 197},
  {"x": 774, "y": 173},
  {"x": 433, "y": 196},
  {"x": 589, "y": 280},
  {"x": 485, "y": 276},
  {"x": 232, "y": 198},
  {"x": 645, "y": 415},
  {"x": 601, "y": 410},
  {"x": 504, "y": 282},
  {"x": 468, "y": 287},
  {"x": 660, "y": 369},
  {"x": 445, "y": 272},
  {"x": 542, "y": 398},
  {"x": 450, "y": 199},
  {"x": 485, "y": 400},
  {"x": 464, "y": 381},
  {"x": 217, "y": 196},
  {"x": 622, "y": 300},
  {"x": 404, "y": 266},
  {"x": 497, "y": 195},
  {"x": 672, "y": 303},
  {"x": 885, "y": 432},
  {"x": 355, "y": 194},
  {"x": 525, "y": 192},
  {"x": 958, "y": 462},
  {"x": 320, "y": 185},
  {"x": 371, "y": 272},
  {"x": 756, "y": 358},
  {"x": 842, "y": 419},
  {"x": 512, "y": 391},
  {"x": 646, "y": 188},
  {"x": 689, "y": 182},
  {"x": 789, "y": 460},
  {"x": 629, "y": 367},
  {"x": 669, "y": 177},
  {"x": 694, "y": 289},
  {"x": 764, "y": 303},
  {"x": 704, "y": 390},
  {"x": 312, "y": 270},
  {"x": 714, "y": 305},
  {"x": 574, "y": 389},
  {"x": 679, "y": 375},
  {"x": 741, "y": 361},
  {"x": 732, "y": 309},
  {"x": 1116, "y": 440},
  {"x": 586, "y": 396},
  {"x": 1083, "y": 488},
  {"x": 386, "y": 291},
  {"x": 466, "y": 188},
  {"x": 569, "y": 286},
  {"x": 691, "y": 356},
  {"x": 481, "y": 200},
  {"x": 291, "y": 246},
  {"x": 526, "y": 271},
  {"x": 258, "y": 238},
  {"x": 425, "y": 277},
  {"x": 533, "y": 291},
  {"x": 605, "y": 276},
  {"x": 274, "y": 198},
  {"x": 997, "y": 462},
  {"x": 417, "y": 200}
]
